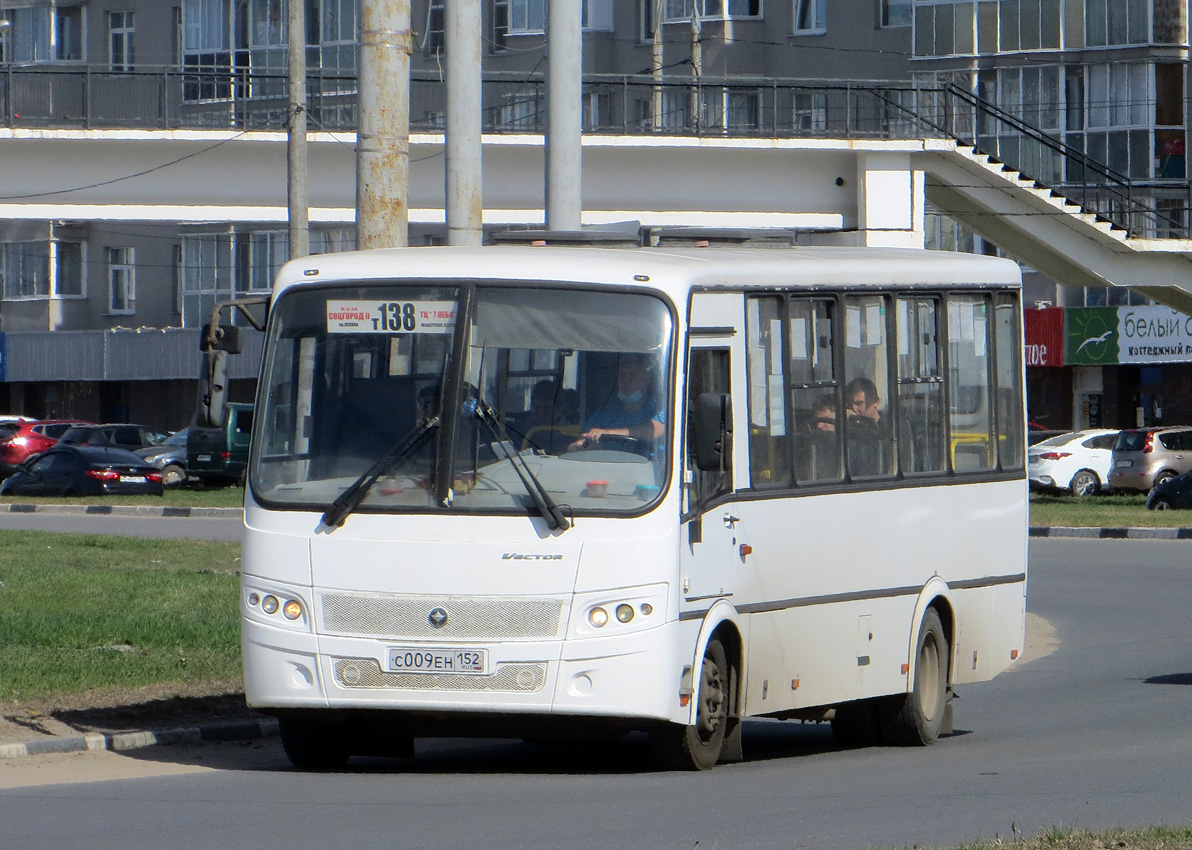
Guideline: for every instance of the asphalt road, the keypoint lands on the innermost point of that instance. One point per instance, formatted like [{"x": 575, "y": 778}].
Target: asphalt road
[
  {"x": 1094, "y": 735},
  {"x": 198, "y": 528}
]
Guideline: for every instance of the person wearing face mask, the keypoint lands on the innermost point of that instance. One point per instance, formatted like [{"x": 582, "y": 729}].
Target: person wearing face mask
[{"x": 632, "y": 410}]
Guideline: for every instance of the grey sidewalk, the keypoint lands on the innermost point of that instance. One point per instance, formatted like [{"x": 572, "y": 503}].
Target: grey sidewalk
[
  {"x": 239, "y": 731},
  {"x": 123, "y": 510}
]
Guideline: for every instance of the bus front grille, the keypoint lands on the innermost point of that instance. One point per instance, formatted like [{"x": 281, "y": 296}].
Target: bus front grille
[
  {"x": 457, "y": 617},
  {"x": 367, "y": 673}
]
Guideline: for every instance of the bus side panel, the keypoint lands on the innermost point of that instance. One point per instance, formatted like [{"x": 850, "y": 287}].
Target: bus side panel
[{"x": 992, "y": 631}]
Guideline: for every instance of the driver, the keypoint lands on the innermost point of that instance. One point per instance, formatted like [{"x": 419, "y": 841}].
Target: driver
[{"x": 633, "y": 410}]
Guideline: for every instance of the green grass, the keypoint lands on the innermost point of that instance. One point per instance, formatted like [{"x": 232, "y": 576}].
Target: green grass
[
  {"x": 1112, "y": 511},
  {"x": 82, "y": 612},
  {"x": 183, "y": 497},
  {"x": 1056, "y": 838}
]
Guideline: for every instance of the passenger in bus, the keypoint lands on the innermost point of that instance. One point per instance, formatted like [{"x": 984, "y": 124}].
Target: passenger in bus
[
  {"x": 632, "y": 409},
  {"x": 820, "y": 445},
  {"x": 864, "y": 428}
]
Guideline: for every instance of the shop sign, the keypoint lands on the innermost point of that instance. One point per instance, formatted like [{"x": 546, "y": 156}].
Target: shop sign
[
  {"x": 1139, "y": 335},
  {"x": 1043, "y": 333},
  {"x": 1153, "y": 335},
  {"x": 1092, "y": 336}
]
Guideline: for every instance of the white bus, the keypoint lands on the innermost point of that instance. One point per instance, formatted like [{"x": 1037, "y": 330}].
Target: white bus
[{"x": 536, "y": 491}]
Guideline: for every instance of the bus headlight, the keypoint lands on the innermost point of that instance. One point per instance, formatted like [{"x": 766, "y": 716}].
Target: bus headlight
[
  {"x": 270, "y": 604},
  {"x": 292, "y": 609},
  {"x": 616, "y": 612},
  {"x": 598, "y": 617},
  {"x": 624, "y": 613}
]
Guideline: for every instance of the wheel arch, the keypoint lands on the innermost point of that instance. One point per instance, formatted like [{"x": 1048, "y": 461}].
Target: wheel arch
[
  {"x": 723, "y": 623},
  {"x": 935, "y": 594}
]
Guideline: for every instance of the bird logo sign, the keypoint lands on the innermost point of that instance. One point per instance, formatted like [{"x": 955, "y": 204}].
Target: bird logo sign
[{"x": 1092, "y": 335}]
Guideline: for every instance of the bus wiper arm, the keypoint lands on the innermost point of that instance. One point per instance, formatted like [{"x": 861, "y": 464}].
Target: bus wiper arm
[
  {"x": 349, "y": 499},
  {"x": 555, "y": 519}
]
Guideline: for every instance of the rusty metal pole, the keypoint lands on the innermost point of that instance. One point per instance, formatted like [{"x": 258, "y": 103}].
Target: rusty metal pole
[
  {"x": 383, "y": 137},
  {"x": 296, "y": 170},
  {"x": 464, "y": 205},
  {"x": 564, "y": 134}
]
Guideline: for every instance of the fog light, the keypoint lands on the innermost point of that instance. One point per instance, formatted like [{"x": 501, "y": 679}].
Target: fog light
[
  {"x": 270, "y": 604},
  {"x": 624, "y": 612},
  {"x": 292, "y": 609},
  {"x": 254, "y": 599},
  {"x": 598, "y": 617}
]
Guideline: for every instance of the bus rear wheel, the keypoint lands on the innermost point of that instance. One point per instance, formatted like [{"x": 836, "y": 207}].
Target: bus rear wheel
[
  {"x": 314, "y": 744},
  {"x": 698, "y": 747},
  {"x": 916, "y": 718}
]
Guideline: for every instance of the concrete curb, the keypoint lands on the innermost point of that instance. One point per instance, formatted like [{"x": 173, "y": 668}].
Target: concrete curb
[
  {"x": 124, "y": 510},
  {"x": 1114, "y": 533},
  {"x": 242, "y": 731}
]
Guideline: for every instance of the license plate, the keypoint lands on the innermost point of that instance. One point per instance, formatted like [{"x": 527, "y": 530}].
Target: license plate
[
  {"x": 132, "y": 479},
  {"x": 413, "y": 659},
  {"x": 204, "y": 457},
  {"x": 1124, "y": 464}
]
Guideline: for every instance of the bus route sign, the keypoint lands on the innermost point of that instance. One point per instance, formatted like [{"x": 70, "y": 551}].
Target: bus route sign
[{"x": 390, "y": 317}]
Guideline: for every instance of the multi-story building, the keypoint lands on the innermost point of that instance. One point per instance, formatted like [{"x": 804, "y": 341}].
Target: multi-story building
[{"x": 99, "y": 315}]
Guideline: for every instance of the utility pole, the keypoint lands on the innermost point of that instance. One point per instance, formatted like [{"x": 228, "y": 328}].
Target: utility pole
[
  {"x": 296, "y": 170},
  {"x": 464, "y": 205},
  {"x": 564, "y": 133},
  {"x": 656, "y": 66},
  {"x": 383, "y": 137}
]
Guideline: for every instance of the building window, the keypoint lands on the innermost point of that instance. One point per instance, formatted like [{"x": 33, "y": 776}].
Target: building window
[
  {"x": 120, "y": 50},
  {"x": 811, "y": 16},
  {"x": 206, "y": 275},
  {"x": 896, "y": 13},
  {"x": 1110, "y": 22},
  {"x": 597, "y": 15},
  {"x": 332, "y": 241},
  {"x": 269, "y": 251},
  {"x": 41, "y": 269},
  {"x": 711, "y": 10},
  {"x": 122, "y": 280},
  {"x": 46, "y": 34},
  {"x": 527, "y": 16},
  {"x": 945, "y": 29},
  {"x": 338, "y": 33},
  {"x": 433, "y": 37}
]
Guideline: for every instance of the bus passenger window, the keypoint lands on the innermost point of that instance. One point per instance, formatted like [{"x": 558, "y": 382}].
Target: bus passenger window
[
  {"x": 921, "y": 432},
  {"x": 968, "y": 383},
  {"x": 815, "y": 402},
  {"x": 869, "y": 435},
  {"x": 769, "y": 435},
  {"x": 1011, "y": 420}
]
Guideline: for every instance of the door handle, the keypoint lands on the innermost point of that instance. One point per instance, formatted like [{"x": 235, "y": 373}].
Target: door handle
[{"x": 730, "y": 520}]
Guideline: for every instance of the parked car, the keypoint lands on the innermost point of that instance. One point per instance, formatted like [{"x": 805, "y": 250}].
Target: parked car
[
  {"x": 1144, "y": 457},
  {"x": 119, "y": 435},
  {"x": 1079, "y": 462},
  {"x": 83, "y": 471},
  {"x": 220, "y": 455},
  {"x": 1171, "y": 494},
  {"x": 20, "y": 441},
  {"x": 169, "y": 457}
]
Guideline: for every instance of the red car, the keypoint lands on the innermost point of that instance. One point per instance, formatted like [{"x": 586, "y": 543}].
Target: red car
[{"x": 21, "y": 440}]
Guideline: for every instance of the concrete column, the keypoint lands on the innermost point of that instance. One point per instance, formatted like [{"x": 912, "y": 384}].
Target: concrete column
[
  {"x": 296, "y": 147},
  {"x": 464, "y": 199},
  {"x": 564, "y": 134},
  {"x": 383, "y": 140},
  {"x": 889, "y": 201}
]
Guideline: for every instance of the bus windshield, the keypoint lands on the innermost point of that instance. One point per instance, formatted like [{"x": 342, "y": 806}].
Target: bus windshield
[{"x": 566, "y": 390}]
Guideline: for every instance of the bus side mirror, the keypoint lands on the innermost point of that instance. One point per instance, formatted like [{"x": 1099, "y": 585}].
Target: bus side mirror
[
  {"x": 225, "y": 338},
  {"x": 711, "y": 432},
  {"x": 213, "y": 390}
]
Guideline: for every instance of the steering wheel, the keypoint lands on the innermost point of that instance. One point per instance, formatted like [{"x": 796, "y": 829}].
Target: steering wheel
[{"x": 619, "y": 443}]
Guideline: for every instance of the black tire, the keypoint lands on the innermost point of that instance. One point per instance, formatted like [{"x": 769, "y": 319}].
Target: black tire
[
  {"x": 1085, "y": 483},
  {"x": 698, "y": 747},
  {"x": 172, "y": 475},
  {"x": 313, "y": 744},
  {"x": 915, "y": 719},
  {"x": 1160, "y": 504},
  {"x": 855, "y": 724}
]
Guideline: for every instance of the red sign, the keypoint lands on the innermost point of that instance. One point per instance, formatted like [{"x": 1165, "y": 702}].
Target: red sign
[{"x": 1043, "y": 335}]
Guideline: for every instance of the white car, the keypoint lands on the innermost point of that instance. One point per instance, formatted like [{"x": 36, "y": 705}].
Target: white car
[{"x": 1078, "y": 462}]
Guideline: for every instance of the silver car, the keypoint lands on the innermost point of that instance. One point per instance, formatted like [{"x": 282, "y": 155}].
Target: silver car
[{"x": 1144, "y": 457}]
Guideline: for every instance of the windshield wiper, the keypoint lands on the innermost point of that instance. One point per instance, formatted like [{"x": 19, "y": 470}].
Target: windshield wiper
[
  {"x": 550, "y": 511},
  {"x": 349, "y": 499}
]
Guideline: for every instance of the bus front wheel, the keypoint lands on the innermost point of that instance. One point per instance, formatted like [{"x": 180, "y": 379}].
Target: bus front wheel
[
  {"x": 698, "y": 747},
  {"x": 314, "y": 744},
  {"x": 916, "y": 718}
]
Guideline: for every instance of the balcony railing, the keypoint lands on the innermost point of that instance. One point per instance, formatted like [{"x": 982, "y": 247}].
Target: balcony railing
[{"x": 199, "y": 98}]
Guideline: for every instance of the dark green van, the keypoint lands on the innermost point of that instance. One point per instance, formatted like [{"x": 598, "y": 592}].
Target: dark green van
[{"x": 220, "y": 455}]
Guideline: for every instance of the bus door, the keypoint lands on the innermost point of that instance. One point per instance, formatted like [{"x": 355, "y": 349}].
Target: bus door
[{"x": 709, "y": 542}]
